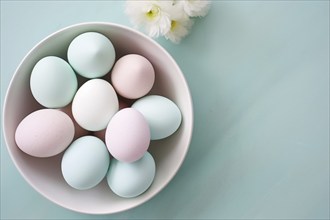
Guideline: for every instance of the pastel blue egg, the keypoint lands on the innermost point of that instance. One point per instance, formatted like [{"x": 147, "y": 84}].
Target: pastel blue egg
[
  {"x": 85, "y": 162},
  {"x": 131, "y": 179}
]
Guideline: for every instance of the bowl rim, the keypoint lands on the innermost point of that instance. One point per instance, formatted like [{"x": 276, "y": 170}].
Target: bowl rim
[{"x": 126, "y": 28}]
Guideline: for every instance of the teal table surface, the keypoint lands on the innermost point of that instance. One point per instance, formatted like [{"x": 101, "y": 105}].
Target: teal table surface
[{"x": 258, "y": 72}]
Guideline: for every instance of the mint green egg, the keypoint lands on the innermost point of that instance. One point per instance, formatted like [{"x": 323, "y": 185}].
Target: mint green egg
[
  {"x": 91, "y": 55},
  {"x": 162, "y": 114},
  {"x": 53, "y": 82}
]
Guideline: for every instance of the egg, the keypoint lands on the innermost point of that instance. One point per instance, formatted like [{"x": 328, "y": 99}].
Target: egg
[
  {"x": 85, "y": 163},
  {"x": 53, "y": 82},
  {"x": 162, "y": 114},
  {"x": 94, "y": 104},
  {"x": 131, "y": 179},
  {"x": 44, "y": 133},
  {"x": 127, "y": 136},
  {"x": 91, "y": 54},
  {"x": 132, "y": 76}
]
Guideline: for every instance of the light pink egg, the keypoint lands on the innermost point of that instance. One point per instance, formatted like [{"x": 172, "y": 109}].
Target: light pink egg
[
  {"x": 45, "y": 133},
  {"x": 79, "y": 131},
  {"x": 132, "y": 76},
  {"x": 128, "y": 135}
]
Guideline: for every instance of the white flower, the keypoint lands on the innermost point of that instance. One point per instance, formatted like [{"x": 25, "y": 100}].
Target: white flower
[
  {"x": 169, "y": 18},
  {"x": 195, "y": 8},
  {"x": 180, "y": 26},
  {"x": 152, "y": 15}
]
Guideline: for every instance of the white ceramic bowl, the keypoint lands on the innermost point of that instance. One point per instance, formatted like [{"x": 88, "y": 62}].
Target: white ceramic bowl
[{"x": 44, "y": 175}]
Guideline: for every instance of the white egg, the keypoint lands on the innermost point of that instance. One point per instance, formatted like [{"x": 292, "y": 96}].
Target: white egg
[
  {"x": 131, "y": 179},
  {"x": 85, "y": 162},
  {"x": 53, "y": 82},
  {"x": 162, "y": 114},
  {"x": 94, "y": 104},
  {"x": 91, "y": 54}
]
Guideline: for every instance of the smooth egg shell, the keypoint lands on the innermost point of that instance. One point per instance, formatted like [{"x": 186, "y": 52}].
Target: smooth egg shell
[
  {"x": 127, "y": 135},
  {"x": 53, "y": 82},
  {"x": 163, "y": 115},
  {"x": 131, "y": 179},
  {"x": 132, "y": 76},
  {"x": 91, "y": 54},
  {"x": 94, "y": 104},
  {"x": 85, "y": 162},
  {"x": 45, "y": 133}
]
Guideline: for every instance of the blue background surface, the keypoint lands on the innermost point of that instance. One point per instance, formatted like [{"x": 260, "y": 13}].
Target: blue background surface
[{"x": 259, "y": 77}]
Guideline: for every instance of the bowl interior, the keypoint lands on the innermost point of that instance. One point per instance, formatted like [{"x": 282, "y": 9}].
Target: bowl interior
[{"x": 44, "y": 175}]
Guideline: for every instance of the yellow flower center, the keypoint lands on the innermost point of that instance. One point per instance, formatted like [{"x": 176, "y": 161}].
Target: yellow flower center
[
  {"x": 153, "y": 12},
  {"x": 173, "y": 25}
]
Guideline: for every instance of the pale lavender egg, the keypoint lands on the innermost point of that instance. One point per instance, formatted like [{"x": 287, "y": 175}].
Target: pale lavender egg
[{"x": 127, "y": 136}]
